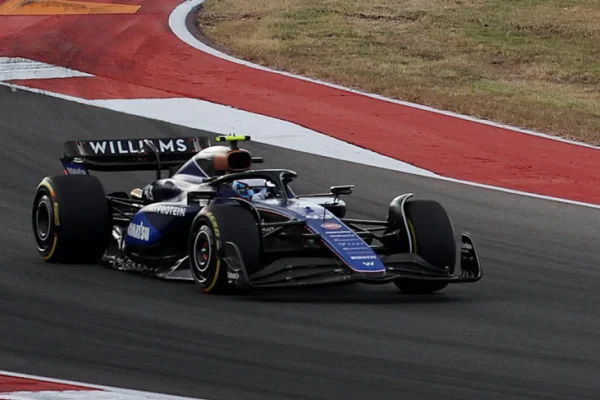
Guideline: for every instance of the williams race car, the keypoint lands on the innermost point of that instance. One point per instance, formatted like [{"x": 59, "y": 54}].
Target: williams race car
[{"x": 231, "y": 228}]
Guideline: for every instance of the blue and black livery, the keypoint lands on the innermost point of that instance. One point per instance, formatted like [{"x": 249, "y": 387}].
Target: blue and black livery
[{"x": 193, "y": 225}]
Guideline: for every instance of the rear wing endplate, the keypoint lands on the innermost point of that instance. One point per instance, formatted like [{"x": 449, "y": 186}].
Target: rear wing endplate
[{"x": 130, "y": 154}]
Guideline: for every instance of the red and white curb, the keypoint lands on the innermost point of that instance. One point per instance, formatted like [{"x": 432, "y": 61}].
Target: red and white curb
[
  {"x": 14, "y": 386},
  {"x": 199, "y": 114}
]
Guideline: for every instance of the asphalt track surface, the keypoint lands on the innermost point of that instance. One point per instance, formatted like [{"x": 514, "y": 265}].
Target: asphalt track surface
[{"x": 529, "y": 329}]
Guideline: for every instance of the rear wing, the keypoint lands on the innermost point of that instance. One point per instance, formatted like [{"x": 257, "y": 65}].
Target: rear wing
[{"x": 153, "y": 154}]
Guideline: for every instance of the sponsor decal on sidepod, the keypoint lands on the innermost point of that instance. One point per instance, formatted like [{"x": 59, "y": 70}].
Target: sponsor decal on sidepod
[
  {"x": 175, "y": 211},
  {"x": 139, "y": 231}
]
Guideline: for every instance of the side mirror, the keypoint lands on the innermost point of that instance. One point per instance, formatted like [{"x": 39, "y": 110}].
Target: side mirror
[{"x": 343, "y": 189}]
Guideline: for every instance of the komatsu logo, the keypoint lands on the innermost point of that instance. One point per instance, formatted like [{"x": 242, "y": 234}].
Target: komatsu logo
[{"x": 139, "y": 231}]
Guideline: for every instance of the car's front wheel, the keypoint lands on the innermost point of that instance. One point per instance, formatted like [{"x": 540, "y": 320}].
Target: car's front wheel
[
  {"x": 432, "y": 236},
  {"x": 211, "y": 229}
]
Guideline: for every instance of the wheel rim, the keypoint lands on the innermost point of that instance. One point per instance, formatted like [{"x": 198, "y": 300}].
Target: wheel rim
[
  {"x": 202, "y": 254},
  {"x": 42, "y": 221}
]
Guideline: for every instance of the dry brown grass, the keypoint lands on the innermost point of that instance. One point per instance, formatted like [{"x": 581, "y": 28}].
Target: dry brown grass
[{"x": 529, "y": 63}]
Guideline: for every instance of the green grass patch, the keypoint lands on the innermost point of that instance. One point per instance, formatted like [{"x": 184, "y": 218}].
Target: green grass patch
[{"x": 529, "y": 63}]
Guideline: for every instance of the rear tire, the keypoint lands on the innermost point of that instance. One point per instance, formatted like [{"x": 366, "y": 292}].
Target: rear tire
[
  {"x": 71, "y": 219},
  {"x": 214, "y": 226},
  {"x": 432, "y": 235}
]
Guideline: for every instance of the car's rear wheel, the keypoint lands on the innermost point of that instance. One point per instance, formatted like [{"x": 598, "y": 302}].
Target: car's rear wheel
[
  {"x": 212, "y": 228},
  {"x": 70, "y": 219},
  {"x": 432, "y": 235}
]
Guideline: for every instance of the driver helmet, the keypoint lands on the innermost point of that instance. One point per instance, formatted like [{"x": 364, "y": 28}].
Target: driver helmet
[
  {"x": 242, "y": 188},
  {"x": 250, "y": 189}
]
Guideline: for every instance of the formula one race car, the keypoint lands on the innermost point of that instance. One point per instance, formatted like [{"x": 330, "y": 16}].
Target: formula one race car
[{"x": 231, "y": 228}]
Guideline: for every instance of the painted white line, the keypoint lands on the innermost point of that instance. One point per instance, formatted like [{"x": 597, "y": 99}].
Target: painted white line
[
  {"x": 12, "y": 68},
  {"x": 245, "y": 119},
  {"x": 98, "y": 392},
  {"x": 179, "y": 28}
]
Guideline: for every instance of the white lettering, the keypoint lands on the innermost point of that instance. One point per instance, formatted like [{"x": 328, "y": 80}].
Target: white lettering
[
  {"x": 131, "y": 149},
  {"x": 129, "y": 146},
  {"x": 98, "y": 147},
  {"x": 181, "y": 145},
  {"x": 368, "y": 263},
  {"x": 168, "y": 146},
  {"x": 76, "y": 171},
  {"x": 175, "y": 211},
  {"x": 121, "y": 149},
  {"x": 140, "y": 231},
  {"x": 335, "y": 235},
  {"x": 233, "y": 275},
  {"x": 363, "y": 257}
]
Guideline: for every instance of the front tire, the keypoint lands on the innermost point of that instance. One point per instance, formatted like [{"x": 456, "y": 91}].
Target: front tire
[
  {"x": 432, "y": 234},
  {"x": 214, "y": 226},
  {"x": 70, "y": 219}
]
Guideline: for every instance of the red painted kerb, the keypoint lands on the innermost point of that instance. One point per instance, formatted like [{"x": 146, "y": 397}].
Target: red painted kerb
[{"x": 17, "y": 384}]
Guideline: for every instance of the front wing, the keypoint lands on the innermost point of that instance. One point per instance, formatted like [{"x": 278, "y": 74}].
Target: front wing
[{"x": 301, "y": 272}]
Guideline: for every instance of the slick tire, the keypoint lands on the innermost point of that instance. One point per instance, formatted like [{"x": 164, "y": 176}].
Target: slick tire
[
  {"x": 71, "y": 219},
  {"x": 214, "y": 226},
  {"x": 433, "y": 236}
]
